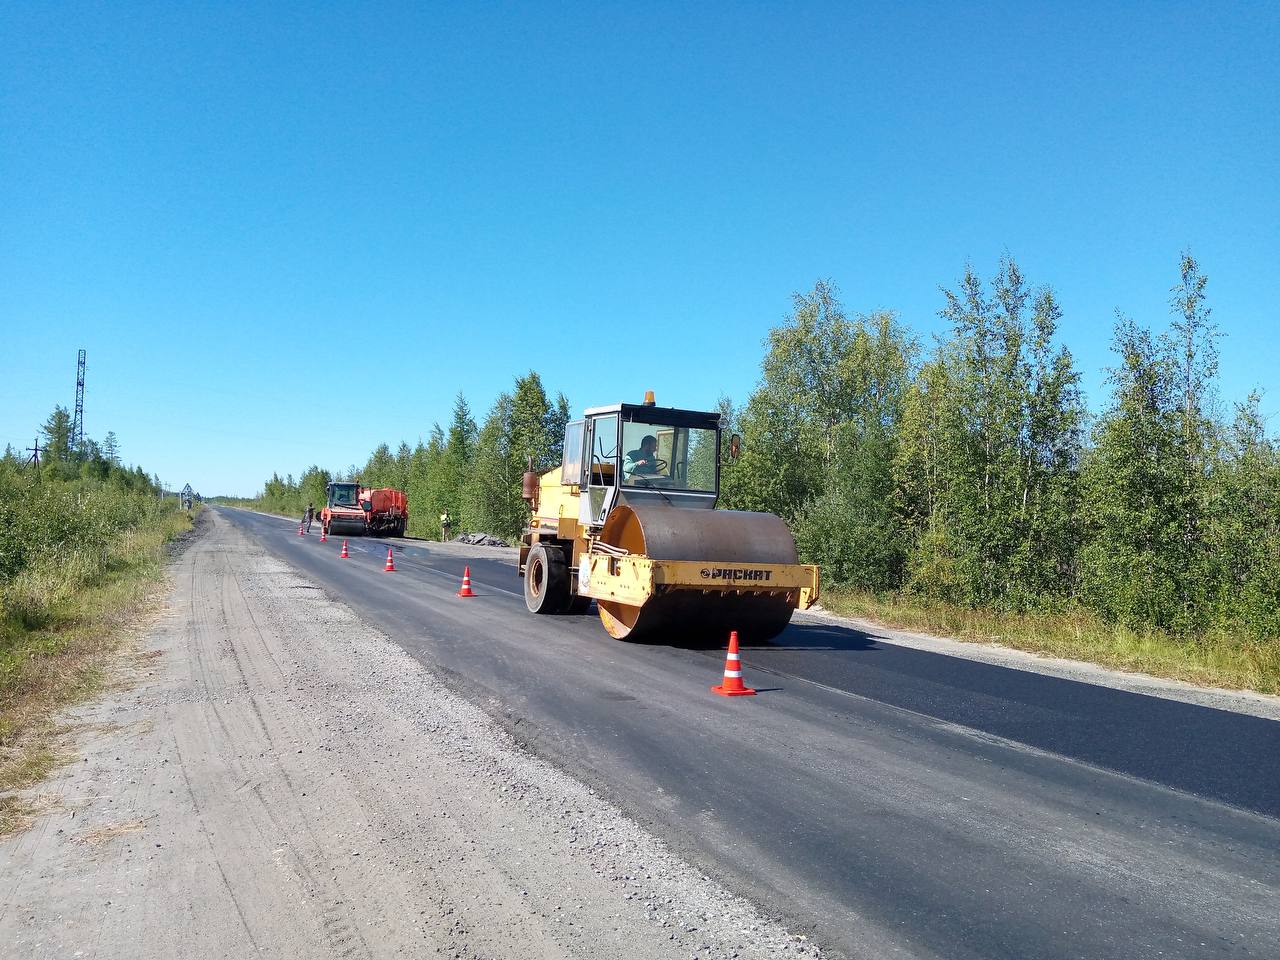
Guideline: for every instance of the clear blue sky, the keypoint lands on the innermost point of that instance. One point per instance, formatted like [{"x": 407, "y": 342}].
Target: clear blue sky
[{"x": 287, "y": 233}]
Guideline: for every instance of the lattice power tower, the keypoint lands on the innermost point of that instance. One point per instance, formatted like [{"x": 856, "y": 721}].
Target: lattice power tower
[{"x": 77, "y": 425}]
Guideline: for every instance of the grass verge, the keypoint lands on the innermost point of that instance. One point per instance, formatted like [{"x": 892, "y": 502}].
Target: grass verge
[
  {"x": 63, "y": 655},
  {"x": 1217, "y": 659}
]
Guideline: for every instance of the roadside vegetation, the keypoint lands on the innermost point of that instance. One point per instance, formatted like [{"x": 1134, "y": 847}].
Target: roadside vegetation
[
  {"x": 81, "y": 551},
  {"x": 1218, "y": 658},
  {"x": 963, "y": 486},
  {"x": 966, "y": 489}
]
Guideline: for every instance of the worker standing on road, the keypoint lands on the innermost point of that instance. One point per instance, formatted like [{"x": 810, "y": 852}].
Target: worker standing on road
[
  {"x": 309, "y": 516},
  {"x": 446, "y": 526}
]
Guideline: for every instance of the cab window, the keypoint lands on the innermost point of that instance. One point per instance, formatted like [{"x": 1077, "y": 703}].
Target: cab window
[
  {"x": 571, "y": 465},
  {"x": 604, "y": 450},
  {"x": 656, "y": 455}
]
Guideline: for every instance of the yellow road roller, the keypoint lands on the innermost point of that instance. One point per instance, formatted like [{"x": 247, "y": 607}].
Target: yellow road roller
[{"x": 628, "y": 519}]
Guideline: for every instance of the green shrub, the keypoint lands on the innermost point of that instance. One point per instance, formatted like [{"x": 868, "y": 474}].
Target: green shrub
[{"x": 57, "y": 537}]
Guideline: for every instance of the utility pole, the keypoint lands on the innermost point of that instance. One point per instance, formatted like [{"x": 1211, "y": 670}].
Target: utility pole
[
  {"x": 77, "y": 425},
  {"x": 34, "y": 459}
]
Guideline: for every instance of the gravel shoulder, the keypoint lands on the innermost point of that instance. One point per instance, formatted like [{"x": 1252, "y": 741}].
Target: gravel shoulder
[{"x": 270, "y": 776}]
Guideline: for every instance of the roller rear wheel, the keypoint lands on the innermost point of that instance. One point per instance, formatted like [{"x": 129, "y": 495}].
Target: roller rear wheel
[{"x": 546, "y": 580}]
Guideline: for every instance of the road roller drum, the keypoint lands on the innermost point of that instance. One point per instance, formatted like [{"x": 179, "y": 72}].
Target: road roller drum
[{"x": 725, "y": 541}]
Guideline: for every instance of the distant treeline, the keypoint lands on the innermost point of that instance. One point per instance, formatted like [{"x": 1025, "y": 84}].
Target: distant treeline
[
  {"x": 89, "y": 461},
  {"x": 471, "y": 472},
  {"x": 969, "y": 472}
]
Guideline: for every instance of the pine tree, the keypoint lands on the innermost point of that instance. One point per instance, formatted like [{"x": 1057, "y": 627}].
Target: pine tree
[
  {"x": 462, "y": 431},
  {"x": 380, "y": 470},
  {"x": 57, "y": 435},
  {"x": 532, "y": 419},
  {"x": 454, "y": 462},
  {"x": 404, "y": 457},
  {"x": 491, "y": 500},
  {"x": 417, "y": 490}
]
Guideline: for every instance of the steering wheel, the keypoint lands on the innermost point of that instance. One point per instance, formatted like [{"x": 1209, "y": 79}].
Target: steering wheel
[{"x": 659, "y": 466}]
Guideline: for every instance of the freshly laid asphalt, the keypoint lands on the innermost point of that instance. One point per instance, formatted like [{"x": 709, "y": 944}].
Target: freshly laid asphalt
[{"x": 890, "y": 802}]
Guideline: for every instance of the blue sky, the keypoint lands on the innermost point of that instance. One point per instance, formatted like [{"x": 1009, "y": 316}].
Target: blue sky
[{"x": 287, "y": 233}]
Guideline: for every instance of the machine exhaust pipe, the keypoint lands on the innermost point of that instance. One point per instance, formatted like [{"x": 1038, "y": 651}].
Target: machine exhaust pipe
[{"x": 529, "y": 486}]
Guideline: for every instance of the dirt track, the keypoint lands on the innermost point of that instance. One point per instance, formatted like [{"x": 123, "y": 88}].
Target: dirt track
[{"x": 278, "y": 780}]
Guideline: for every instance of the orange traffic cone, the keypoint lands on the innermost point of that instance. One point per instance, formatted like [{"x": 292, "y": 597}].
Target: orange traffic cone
[
  {"x": 733, "y": 685},
  {"x": 324, "y": 535},
  {"x": 344, "y": 555},
  {"x": 466, "y": 590},
  {"x": 301, "y": 532},
  {"x": 391, "y": 564}
]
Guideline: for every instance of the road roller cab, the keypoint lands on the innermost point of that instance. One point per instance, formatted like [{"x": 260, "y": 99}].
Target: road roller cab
[
  {"x": 628, "y": 520},
  {"x": 343, "y": 511}
]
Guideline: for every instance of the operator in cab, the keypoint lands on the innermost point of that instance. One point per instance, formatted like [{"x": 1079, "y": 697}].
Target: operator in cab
[{"x": 643, "y": 462}]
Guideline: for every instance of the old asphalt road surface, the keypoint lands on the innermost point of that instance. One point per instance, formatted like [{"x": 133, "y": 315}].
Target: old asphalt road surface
[{"x": 885, "y": 801}]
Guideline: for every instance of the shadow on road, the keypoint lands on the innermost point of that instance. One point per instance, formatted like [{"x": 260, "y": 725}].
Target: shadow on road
[
  {"x": 797, "y": 637},
  {"x": 819, "y": 637}
]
